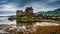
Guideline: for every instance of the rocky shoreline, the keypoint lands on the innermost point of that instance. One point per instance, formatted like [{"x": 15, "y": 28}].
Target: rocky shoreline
[{"x": 38, "y": 28}]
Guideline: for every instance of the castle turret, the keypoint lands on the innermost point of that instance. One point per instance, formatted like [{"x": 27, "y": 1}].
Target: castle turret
[
  {"x": 19, "y": 12},
  {"x": 29, "y": 11}
]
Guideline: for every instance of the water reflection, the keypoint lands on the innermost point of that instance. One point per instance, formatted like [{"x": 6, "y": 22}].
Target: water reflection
[
  {"x": 27, "y": 28},
  {"x": 4, "y": 20}
]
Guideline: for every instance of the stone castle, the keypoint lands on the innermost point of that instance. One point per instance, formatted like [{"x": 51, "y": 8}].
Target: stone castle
[{"x": 28, "y": 11}]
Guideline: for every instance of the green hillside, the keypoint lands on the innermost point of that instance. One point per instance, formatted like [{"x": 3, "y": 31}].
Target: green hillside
[{"x": 51, "y": 13}]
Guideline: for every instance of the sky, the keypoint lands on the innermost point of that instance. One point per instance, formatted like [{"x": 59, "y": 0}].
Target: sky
[{"x": 9, "y": 7}]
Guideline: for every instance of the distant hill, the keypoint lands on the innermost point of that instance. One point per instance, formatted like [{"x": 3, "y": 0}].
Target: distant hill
[
  {"x": 57, "y": 11},
  {"x": 41, "y": 12}
]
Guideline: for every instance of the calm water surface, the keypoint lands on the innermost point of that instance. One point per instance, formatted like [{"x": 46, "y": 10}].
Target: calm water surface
[{"x": 4, "y": 20}]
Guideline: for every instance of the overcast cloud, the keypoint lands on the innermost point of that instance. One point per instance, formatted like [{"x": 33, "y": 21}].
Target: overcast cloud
[{"x": 10, "y": 6}]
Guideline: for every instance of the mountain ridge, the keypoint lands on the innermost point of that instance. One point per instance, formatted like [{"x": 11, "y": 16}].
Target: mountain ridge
[{"x": 56, "y": 11}]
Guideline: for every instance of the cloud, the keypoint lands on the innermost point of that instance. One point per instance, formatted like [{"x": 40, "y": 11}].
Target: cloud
[
  {"x": 51, "y": 1},
  {"x": 3, "y": 1},
  {"x": 38, "y": 5},
  {"x": 55, "y": 4},
  {"x": 8, "y": 7}
]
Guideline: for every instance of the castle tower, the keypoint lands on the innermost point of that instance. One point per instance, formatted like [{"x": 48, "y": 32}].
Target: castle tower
[
  {"x": 29, "y": 11},
  {"x": 19, "y": 12}
]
